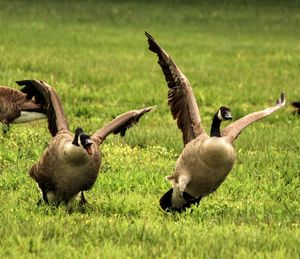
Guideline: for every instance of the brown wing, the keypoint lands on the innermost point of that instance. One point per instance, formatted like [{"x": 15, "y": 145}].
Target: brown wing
[
  {"x": 180, "y": 96},
  {"x": 232, "y": 131},
  {"x": 46, "y": 96},
  {"x": 120, "y": 124},
  {"x": 10, "y": 104}
]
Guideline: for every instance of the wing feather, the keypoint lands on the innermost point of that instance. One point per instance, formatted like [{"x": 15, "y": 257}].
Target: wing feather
[
  {"x": 181, "y": 99},
  {"x": 120, "y": 124},
  {"x": 232, "y": 131},
  {"x": 50, "y": 102}
]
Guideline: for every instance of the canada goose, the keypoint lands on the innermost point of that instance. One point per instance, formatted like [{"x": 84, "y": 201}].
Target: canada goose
[
  {"x": 205, "y": 160},
  {"x": 19, "y": 106},
  {"x": 296, "y": 105},
  {"x": 70, "y": 163}
]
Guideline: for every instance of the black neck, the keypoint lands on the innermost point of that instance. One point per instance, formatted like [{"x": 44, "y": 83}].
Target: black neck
[
  {"x": 75, "y": 140},
  {"x": 215, "y": 126}
]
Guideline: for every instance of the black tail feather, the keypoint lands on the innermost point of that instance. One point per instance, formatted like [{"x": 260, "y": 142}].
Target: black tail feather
[
  {"x": 166, "y": 202},
  {"x": 297, "y": 106},
  {"x": 190, "y": 202}
]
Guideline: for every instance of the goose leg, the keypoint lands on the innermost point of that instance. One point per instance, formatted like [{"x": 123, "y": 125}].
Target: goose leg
[
  {"x": 5, "y": 128},
  {"x": 43, "y": 189},
  {"x": 83, "y": 201}
]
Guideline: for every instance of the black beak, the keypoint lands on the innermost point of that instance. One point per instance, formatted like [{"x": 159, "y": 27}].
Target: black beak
[
  {"x": 87, "y": 145},
  {"x": 86, "y": 142},
  {"x": 228, "y": 116}
]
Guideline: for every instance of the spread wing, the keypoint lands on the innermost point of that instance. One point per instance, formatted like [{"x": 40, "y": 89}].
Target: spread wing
[
  {"x": 232, "y": 131},
  {"x": 120, "y": 124},
  {"x": 180, "y": 96},
  {"x": 46, "y": 96}
]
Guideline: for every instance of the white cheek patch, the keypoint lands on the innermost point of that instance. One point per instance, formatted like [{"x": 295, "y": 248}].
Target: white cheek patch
[{"x": 220, "y": 116}]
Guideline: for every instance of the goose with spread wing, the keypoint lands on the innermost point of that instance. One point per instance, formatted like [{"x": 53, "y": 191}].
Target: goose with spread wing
[
  {"x": 71, "y": 162},
  {"x": 206, "y": 159},
  {"x": 19, "y": 107}
]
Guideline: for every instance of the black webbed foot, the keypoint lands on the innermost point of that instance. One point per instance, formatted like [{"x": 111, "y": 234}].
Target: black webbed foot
[{"x": 5, "y": 128}]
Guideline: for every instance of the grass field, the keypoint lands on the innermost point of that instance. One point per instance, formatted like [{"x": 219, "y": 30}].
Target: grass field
[{"x": 95, "y": 55}]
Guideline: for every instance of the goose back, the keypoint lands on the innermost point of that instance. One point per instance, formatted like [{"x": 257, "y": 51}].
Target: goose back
[{"x": 10, "y": 104}]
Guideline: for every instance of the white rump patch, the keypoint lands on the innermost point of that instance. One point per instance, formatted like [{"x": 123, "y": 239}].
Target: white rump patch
[{"x": 29, "y": 116}]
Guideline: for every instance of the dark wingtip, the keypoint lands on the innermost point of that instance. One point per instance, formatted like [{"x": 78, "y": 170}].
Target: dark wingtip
[
  {"x": 153, "y": 45},
  {"x": 28, "y": 81},
  {"x": 23, "y": 82},
  {"x": 137, "y": 115},
  {"x": 148, "y": 35},
  {"x": 148, "y": 109},
  {"x": 33, "y": 82},
  {"x": 150, "y": 38}
]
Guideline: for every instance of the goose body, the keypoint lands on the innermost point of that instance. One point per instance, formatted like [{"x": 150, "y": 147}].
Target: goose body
[
  {"x": 204, "y": 163},
  {"x": 18, "y": 107},
  {"x": 205, "y": 160},
  {"x": 72, "y": 169},
  {"x": 70, "y": 164}
]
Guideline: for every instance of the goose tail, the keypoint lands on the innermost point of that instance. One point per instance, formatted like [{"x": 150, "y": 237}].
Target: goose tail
[
  {"x": 166, "y": 200},
  {"x": 297, "y": 106},
  {"x": 170, "y": 202}
]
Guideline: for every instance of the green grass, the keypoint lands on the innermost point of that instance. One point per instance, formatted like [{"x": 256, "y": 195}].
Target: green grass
[{"x": 95, "y": 54}]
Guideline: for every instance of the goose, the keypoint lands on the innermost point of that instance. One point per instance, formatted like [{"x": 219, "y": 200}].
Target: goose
[
  {"x": 297, "y": 106},
  {"x": 70, "y": 163},
  {"x": 18, "y": 106},
  {"x": 205, "y": 160}
]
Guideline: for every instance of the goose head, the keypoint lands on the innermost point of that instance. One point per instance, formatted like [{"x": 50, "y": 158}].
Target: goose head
[
  {"x": 83, "y": 139},
  {"x": 223, "y": 114}
]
